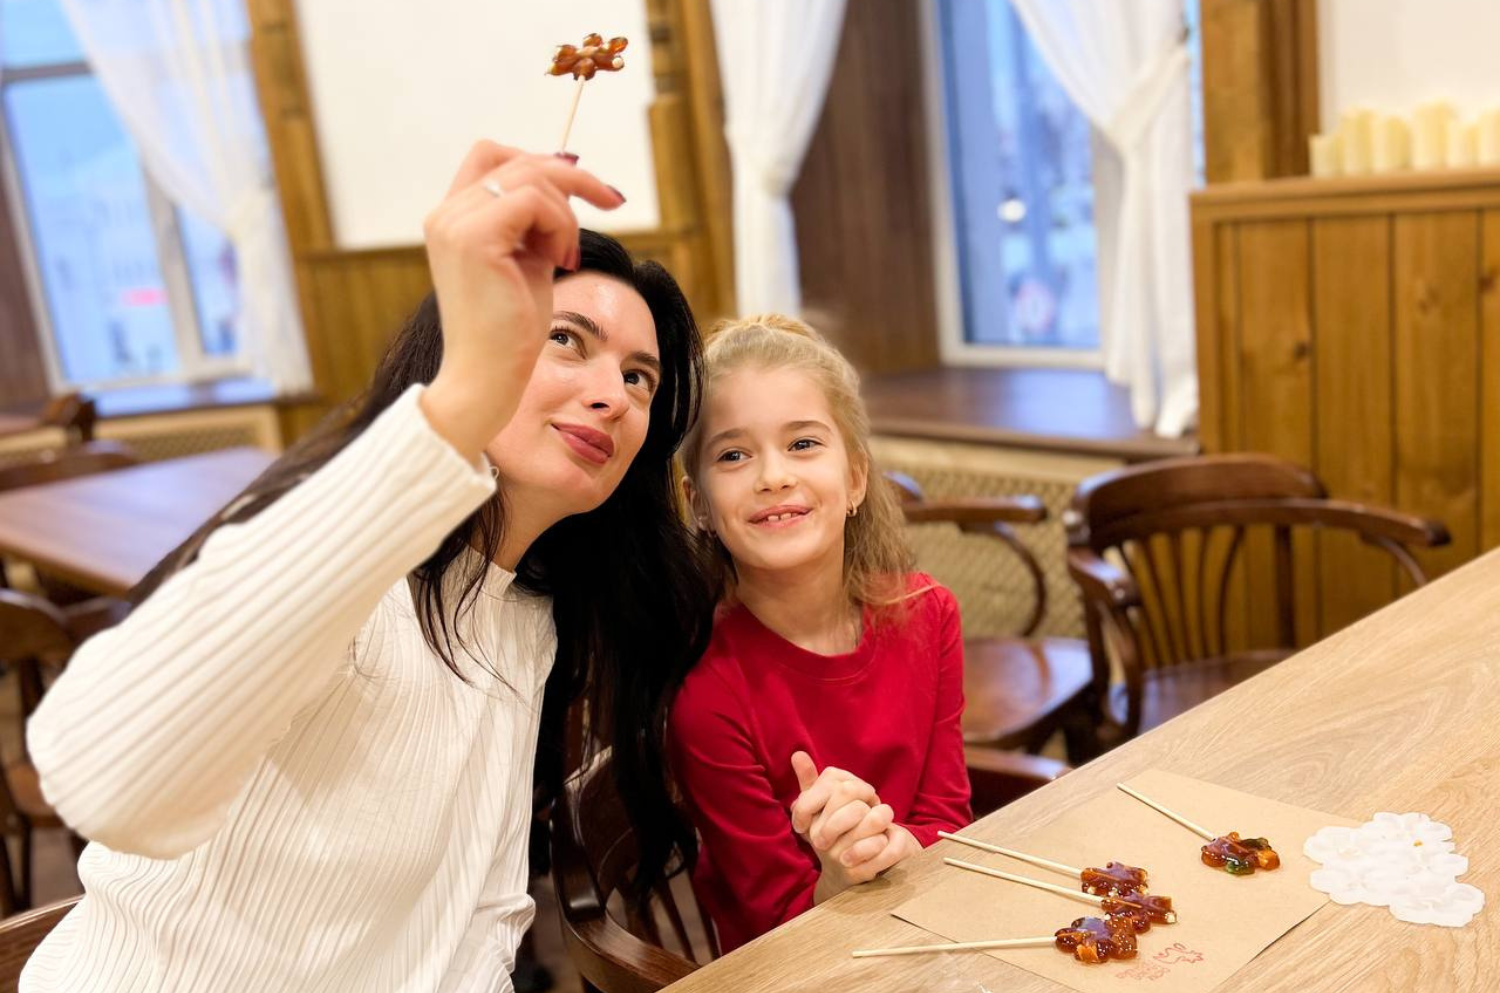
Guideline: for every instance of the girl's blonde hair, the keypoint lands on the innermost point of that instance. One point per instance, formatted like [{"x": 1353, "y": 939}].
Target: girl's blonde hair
[{"x": 876, "y": 554}]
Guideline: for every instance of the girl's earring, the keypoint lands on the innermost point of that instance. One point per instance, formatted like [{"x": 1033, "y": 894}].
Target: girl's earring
[
  {"x": 494, "y": 472},
  {"x": 853, "y": 509}
]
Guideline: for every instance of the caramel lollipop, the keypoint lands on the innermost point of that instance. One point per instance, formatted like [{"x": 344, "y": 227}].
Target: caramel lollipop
[
  {"x": 582, "y": 62},
  {"x": 1091, "y": 940},
  {"x": 1240, "y": 856},
  {"x": 1114, "y": 879},
  {"x": 1138, "y": 908},
  {"x": 1235, "y": 855},
  {"x": 1095, "y": 939}
]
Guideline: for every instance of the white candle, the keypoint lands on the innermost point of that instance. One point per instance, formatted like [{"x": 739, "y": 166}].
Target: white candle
[
  {"x": 1463, "y": 145},
  {"x": 1489, "y": 138},
  {"x": 1323, "y": 155},
  {"x": 1390, "y": 147},
  {"x": 1429, "y": 145},
  {"x": 1355, "y": 129}
]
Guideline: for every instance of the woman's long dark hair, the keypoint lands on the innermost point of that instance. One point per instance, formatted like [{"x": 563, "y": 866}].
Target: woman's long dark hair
[{"x": 630, "y": 598}]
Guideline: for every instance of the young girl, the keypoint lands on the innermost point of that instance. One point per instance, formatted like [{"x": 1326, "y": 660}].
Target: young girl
[
  {"x": 818, "y": 740},
  {"x": 305, "y": 761}
]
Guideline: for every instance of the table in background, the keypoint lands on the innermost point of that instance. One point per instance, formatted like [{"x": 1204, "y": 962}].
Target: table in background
[
  {"x": 1397, "y": 712},
  {"x": 105, "y": 532}
]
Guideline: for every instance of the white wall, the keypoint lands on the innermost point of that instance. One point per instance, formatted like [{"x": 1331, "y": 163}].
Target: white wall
[
  {"x": 402, "y": 88},
  {"x": 1392, "y": 55}
]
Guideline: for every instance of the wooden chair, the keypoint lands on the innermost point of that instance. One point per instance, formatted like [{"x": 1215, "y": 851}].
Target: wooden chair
[
  {"x": 996, "y": 778},
  {"x": 1155, "y": 547},
  {"x": 593, "y": 852},
  {"x": 1018, "y": 690},
  {"x": 58, "y": 464},
  {"x": 37, "y": 634},
  {"x": 20, "y": 935},
  {"x": 74, "y": 413},
  {"x": 617, "y": 950},
  {"x": 54, "y": 466}
]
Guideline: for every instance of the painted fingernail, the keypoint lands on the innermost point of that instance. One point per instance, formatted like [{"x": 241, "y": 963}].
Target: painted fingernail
[
  {"x": 567, "y": 157},
  {"x": 617, "y": 193}
]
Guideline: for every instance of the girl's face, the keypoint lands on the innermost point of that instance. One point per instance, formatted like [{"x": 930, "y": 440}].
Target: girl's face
[
  {"x": 775, "y": 480},
  {"x": 585, "y": 411}
]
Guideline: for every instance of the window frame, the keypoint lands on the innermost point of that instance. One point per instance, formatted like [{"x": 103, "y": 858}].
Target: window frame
[
  {"x": 954, "y": 348},
  {"x": 193, "y": 363}
]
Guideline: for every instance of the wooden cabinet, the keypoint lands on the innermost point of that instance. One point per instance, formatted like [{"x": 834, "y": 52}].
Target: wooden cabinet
[{"x": 1353, "y": 325}]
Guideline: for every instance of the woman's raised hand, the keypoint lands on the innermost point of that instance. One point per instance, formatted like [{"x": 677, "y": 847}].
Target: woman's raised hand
[{"x": 492, "y": 244}]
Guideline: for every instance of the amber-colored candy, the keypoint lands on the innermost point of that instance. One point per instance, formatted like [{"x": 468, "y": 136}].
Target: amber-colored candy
[
  {"x": 1240, "y": 856},
  {"x": 591, "y": 57},
  {"x": 1149, "y": 908},
  {"x": 1115, "y": 879},
  {"x": 1094, "y": 939}
]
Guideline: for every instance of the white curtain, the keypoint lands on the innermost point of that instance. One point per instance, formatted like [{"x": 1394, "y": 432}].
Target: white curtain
[
  {"x": 776, "y": 58},
  {"x": 1126, "y": 66},
  {"x": 178, "y": 74}
]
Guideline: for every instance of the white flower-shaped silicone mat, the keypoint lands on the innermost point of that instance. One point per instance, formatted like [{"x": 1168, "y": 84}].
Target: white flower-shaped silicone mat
[{"x": 1402, "y": 861}]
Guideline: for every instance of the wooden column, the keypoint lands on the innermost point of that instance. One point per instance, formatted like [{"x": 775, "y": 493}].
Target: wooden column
[{"x": 1260, "y": 87}]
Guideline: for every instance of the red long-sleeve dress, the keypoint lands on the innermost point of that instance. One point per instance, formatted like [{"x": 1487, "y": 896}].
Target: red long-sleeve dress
[{"x": 888, "y": 712}]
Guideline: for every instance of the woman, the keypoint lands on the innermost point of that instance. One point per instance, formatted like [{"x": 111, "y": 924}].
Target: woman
[{"x": 305, "y": 761}]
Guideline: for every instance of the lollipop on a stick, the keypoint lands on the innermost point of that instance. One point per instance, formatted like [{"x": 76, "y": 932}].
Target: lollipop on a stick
[
  {"x": 582, "y": 62},
  {"x": 1235, "y": 855},
  {"x": 1140, "y": 909},
  {"x": 1114, "y": 879},
  {"x": 1091, "y": 940}
]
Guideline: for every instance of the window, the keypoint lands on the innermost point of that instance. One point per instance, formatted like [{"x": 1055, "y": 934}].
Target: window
[
  {"x": 126, "y": 287},
  {"x": 1018, "y": 170}
]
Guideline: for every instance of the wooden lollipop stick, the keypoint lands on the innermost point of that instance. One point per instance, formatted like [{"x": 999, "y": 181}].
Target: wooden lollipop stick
[
  {"x": 562, "y": 146},
  {"x": 1197, "y": 829},
  {"x": 1066, "y": 870},
  {"x": 957, "y": 946},
  {"x": 1097, "y": 901}
]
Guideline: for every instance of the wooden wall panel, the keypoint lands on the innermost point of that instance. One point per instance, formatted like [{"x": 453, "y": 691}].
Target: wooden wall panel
[
  {"x": 1354, "y": 382},
  {"x": 1405, "y": 294},
  {"x": 862, "y": 204},
  {"x": 1274, "y": 353},
  {"x": 1437, "y": 376}
]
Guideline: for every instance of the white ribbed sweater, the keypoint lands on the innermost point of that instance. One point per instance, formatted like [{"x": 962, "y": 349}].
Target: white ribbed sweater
[{"x": 284, "y": 787}]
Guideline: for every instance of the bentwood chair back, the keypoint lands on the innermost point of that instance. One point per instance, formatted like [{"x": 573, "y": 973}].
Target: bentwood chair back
[
  {"x": 36, "y": 635},
  {"x": 1161, "y": 552},
  {"x": 19, "y": 936},
  {"x": 1018, "y": 690},
  {"x": 615, "y": 948}
]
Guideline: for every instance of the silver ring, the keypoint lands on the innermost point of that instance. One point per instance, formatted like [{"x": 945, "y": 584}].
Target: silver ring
[{"x": 493, "y": 188}]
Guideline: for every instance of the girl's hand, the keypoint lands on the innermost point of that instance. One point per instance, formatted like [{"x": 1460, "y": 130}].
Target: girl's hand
[
  {"x": 492, "y": 256},
  {"x": 831, "y": 802},
  {"x": 848, "y": 827}
]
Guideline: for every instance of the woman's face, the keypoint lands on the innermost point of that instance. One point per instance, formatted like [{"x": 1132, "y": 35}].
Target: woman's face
[
  {"x": 585, "y": 411},
  {"x": 775, "y": 480}
]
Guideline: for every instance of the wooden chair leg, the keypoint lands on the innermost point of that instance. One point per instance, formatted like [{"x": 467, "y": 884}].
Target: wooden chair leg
[
  {"x": 24, "y": 896},
  {"x": 9, "y": 900},
  {"x": 1081, "y": 737}
]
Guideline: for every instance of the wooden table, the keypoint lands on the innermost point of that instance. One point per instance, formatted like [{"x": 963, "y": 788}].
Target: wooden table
[
  {"x": 105, "y": 532},
  {"x": 1399, "y": 712}
]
